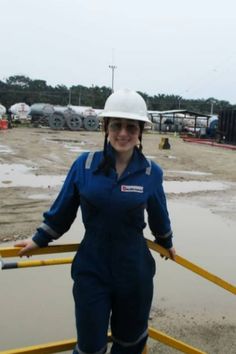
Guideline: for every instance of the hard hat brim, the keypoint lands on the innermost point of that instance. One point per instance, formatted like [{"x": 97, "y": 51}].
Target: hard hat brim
[{"x": 124, "y": 115}]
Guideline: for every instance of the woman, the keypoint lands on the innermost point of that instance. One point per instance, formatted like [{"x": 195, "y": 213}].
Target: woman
[{"x": 113, "y": 269}]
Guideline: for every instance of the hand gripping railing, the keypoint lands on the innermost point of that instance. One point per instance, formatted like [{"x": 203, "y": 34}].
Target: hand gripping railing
[
  {"x": 69, "y": 344},
  {"x": 13, "y": 252}
]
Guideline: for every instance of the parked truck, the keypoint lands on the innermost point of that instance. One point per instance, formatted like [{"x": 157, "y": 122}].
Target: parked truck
[{"x": 64, "y": 117}]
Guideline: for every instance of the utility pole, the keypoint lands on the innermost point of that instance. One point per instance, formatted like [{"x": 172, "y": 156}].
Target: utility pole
[
  {"x": 80, "y": 96},
  {"x": 112, "y": 67},
  {"x": 69, "y": 103},
  {"x": 212, "y": 104}
]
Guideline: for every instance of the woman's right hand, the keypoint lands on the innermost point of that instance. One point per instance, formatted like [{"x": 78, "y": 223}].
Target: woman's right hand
[{"x": 27, "y": 247}]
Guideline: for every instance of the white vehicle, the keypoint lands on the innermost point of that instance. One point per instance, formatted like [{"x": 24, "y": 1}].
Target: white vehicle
[{"x": 20, "y": 111}]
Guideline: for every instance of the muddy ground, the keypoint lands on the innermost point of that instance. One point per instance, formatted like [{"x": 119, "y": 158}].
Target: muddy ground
[
  {"x": 52, "y": 152},
  {"x": 49, "y": 152}
]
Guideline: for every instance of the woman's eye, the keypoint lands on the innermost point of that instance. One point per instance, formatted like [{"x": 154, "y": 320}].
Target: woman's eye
[
  {"x": 132, "y": 127},
  {"x": 115, "y": 126}
]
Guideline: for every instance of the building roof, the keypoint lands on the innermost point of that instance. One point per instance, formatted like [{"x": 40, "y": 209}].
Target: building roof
[{"x": 182, "y": 111}]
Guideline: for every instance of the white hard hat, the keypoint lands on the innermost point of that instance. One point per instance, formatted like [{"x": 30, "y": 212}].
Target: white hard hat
[{"x": 125, "y": 104}]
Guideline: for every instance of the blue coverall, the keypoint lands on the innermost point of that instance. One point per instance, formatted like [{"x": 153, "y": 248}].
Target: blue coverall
[{"x": 113, "y": 269}]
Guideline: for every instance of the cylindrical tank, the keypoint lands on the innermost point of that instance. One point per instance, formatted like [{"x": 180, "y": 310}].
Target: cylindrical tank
[
  {"x": 84, "y": 110},
  {"x": 41, "y": 109},
  {"x": 2, "y": 110},
  {"x": 63, "y": 110},
  {"x": 20, "y": 108}
]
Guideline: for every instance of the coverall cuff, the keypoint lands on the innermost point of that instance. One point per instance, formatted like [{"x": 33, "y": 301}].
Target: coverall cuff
[
  {"x": 165, "y": 242},
  {"x": 41, "y": 239}
]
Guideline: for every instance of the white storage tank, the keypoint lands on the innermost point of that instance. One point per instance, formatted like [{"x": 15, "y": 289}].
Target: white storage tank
[
  {"x": 20, "y": 111},
  {"x": 2, "y": 110}
]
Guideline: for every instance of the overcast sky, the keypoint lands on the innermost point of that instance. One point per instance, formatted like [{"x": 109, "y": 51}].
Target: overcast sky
[{"x": 180, "y": 47}]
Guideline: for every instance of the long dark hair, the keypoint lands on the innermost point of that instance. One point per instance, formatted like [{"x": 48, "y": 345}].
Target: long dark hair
[{"x": 108, "y": 162}]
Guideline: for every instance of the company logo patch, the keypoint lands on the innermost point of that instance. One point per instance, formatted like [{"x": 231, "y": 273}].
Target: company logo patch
[{"x": 129, "y": 189}]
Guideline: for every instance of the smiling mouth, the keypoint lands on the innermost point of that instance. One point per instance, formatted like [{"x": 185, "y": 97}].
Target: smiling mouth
[{"x": 123, "y": 140}]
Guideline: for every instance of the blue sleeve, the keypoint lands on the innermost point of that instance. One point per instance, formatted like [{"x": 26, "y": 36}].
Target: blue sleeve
[
  {"x": 63, "y": 211},
  {"x": 158, "y": 216}
]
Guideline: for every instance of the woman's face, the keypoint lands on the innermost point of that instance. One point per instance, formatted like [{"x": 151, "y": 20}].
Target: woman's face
[{"x": 123, "y": 134}]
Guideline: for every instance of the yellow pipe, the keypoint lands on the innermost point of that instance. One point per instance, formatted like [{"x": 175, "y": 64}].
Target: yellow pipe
[
  {"x": 8, "y": 252},
  {"x": 172, "y": 342},
  {"x": 60, "y": 346},
  {"x": 36, "y": 263},
  {"x": 47, "y": 348},
  {"x": 13, "y": 252},
  {"x": 194, "y": 268}
]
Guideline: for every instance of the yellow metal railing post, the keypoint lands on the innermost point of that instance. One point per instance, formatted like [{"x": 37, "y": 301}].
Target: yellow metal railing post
[{"x": 145, "y": 350}]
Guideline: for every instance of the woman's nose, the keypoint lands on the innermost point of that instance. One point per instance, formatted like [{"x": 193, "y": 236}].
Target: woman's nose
[{"x": 123, "y": 130}]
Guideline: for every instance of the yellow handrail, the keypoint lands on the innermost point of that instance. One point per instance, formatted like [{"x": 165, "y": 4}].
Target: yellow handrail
[
  {"x": 194, "y": 268},
  {"x": 172, "y": 342},
  {"x": 56, "y": 347},
  {"x": 13, "y": 252},
  {"x": 7, "y": 252},
  {"x": 36, "y": 263}
]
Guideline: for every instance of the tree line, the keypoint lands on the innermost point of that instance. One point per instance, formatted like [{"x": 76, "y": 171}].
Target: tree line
[{"x": 20, "y": 88}]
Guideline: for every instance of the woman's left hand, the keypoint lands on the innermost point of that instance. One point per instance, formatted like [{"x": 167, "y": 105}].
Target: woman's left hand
[{"x": 171, "y": 252}]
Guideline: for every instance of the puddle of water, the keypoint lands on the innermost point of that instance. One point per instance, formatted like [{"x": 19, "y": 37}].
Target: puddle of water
[
  {"x": 45, "y": 292},
  {"x": 19, "y": 175},
  {"x": 193, "y": 173},
  {"x": 75, "y": 148},
  {"x": 8, "y": 169},
  {"x": 177, "y": 187},
  {"x": 39, "y": 196},
  {"x": 150, "y": 157},
  {"x": 209, "y": 241},
  {"x": 5, "y": 149}
]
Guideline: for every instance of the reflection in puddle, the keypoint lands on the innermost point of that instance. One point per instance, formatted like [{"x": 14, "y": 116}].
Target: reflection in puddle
[
  {"x": 5, "y": 149},
  {"x": 19, "y": 175},
  {"x": 209, "y": 241}
]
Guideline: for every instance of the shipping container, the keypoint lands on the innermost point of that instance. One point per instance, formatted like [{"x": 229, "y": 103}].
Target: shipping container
[{"x": 227, "y": 126}]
